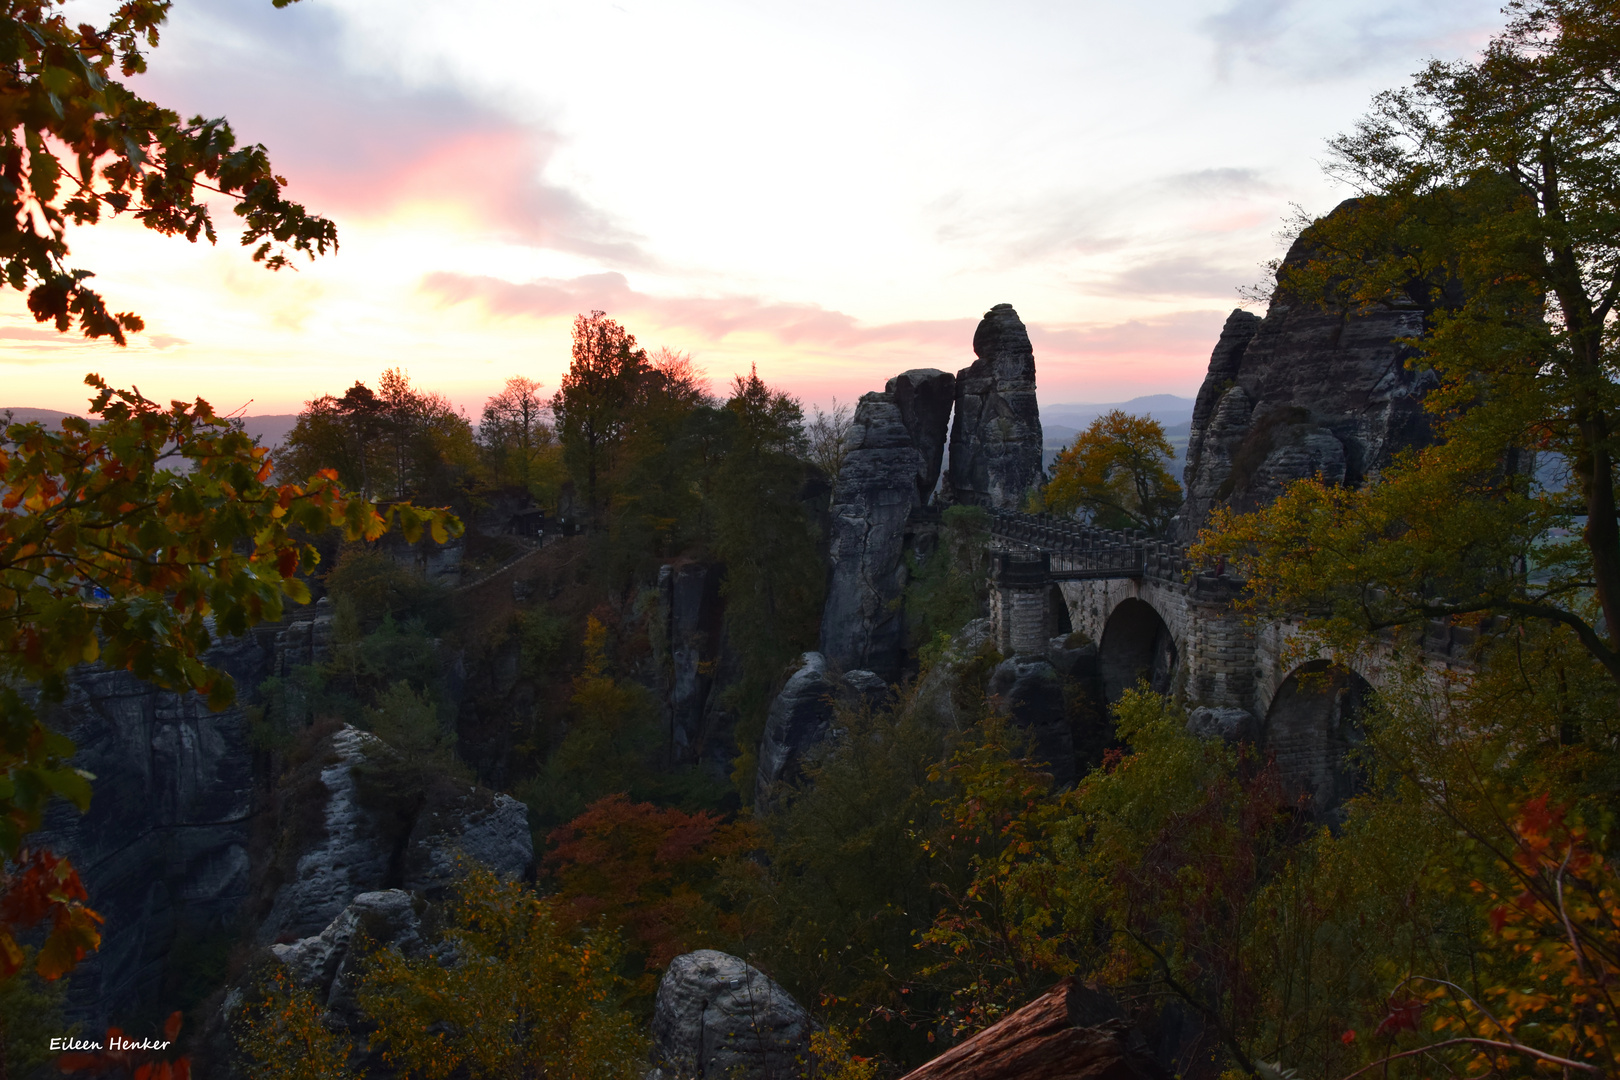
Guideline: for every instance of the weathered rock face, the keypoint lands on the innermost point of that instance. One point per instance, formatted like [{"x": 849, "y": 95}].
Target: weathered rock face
[
  {"x": 924, "y": 397},
  {"x": 390, "y": 917},
  {"x": 877, "y": 491},
  {"x": 1229, "y": 724},
  {"x": 364, "y": 850},
  {"x": 1305, "y": 391},
  {"x": 693, "y": 618},
  {"x": 163, "y": 849},
  {"x": 801, "y": 719},
  {"x": 1030, "y": 691},
  {"x": 996, "y": 439},
  {"x": 717, "y": 1017},
  {"x": 349, "y": 859}
]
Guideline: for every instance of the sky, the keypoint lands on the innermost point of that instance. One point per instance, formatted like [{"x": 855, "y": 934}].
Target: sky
[{"x": 834, "y": 192}]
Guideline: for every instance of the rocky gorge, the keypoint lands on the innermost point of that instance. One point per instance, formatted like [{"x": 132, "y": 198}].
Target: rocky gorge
[{"x": 204, "y": 838}]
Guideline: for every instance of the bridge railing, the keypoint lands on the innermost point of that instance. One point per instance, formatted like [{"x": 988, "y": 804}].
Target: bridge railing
[{"x": 1080, "y": 551}]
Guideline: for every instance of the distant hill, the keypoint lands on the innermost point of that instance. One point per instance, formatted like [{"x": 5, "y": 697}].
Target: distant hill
[
  {"x": 1061, "y": 423},
  {"x": 270, "y": 429},
  {"x": 50, "y": 417},
  {"x": 1167, "y": 409}
]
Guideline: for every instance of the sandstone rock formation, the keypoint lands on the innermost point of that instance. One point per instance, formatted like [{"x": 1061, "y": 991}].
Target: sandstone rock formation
[
  {"x": 163, "y": 849},
  {"x": 691, "y": 618},
  {"x": 1030, "y": 692},
  {"x": 801, "y": 718},
  {"x": 889, "y": 470},
  {"x": 390, "y": 917},
  {"x": 925, "y": 397},
  {"x": 349, "y": 859},
  {"x": 1305, "y": 391},
  {"x": 363, "y": 850},
  {"x": 716, "y": 1017},
  {"x": 996, "y": 438}
]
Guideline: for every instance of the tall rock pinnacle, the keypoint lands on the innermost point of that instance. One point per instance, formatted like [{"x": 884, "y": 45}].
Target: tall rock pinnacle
[{"x": 996, "y": 439}]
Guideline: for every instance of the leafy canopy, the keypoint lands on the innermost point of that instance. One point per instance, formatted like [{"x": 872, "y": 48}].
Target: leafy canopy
[
  {"x": 1115, "y": 474},
  {"x": 76, "y": 144},
  {"x": 527, "y": 995}
]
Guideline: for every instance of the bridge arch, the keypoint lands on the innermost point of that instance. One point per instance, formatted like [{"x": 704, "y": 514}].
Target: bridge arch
[
  {"x": 1311, "y": 725},
  {"x": 1136, "y": 644}
]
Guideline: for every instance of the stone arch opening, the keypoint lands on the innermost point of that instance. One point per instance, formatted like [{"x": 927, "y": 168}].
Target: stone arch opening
[
  {"x": 1057, "y": 612},
  {"x": 1136, "y": 645},
  {"x": 1312, "y": 725}
]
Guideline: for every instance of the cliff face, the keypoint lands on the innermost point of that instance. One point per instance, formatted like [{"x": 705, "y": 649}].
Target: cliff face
[
  {"x": 893, "y": 456},
  {"x": 996, "y": 440},
  {"x": 168, "y": 852},
  {"x": 163, "y": 849},
  {"x": 1304, "y": 391}
]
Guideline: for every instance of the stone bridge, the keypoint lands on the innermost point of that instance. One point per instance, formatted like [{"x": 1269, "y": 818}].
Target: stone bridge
[{"x": 1152, "y": 613}]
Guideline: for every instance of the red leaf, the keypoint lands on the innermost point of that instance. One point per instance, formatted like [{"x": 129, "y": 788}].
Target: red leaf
[{"x": 1403, "y": 1016}]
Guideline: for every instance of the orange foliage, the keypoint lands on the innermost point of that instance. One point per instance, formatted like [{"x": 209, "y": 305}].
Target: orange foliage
[
  {"x": 651, "y": 873},
  {"x": 41, "y": 887},
  {"x": 1552, "y": 1003}
]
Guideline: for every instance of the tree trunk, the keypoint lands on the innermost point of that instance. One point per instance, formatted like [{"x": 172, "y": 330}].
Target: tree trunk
[{"x": 1041, "y": 1041}]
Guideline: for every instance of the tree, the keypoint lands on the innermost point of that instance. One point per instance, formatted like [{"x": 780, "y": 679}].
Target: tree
[
  {"x": 76, "y": 144},
  {"x": 827, "y": 436},
  {"x": 1115, "y": 475},
  {"x": 394, "y": 442},
  {"x": 528, "y": 994},
  {"x": 650, "y": 873},
  {"x": 135, "y": 541},
  {"x": 513, "y": 429},
  {"x": 763, "y": 532},
  {"x": 592, "y": 407},
  {"x": 1490, "y": 191}
]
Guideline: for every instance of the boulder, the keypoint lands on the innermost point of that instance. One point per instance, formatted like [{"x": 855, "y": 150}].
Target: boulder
[
  {"x": 996, "y": 438},
  {"x": 873, "y": 501},
  {"x": 867, "y": 687},
  {"x": 1233, "y": 725},
  {"x": 1305, "y": 391},
  {"x": 1029, "y": 690},
  {"x": 716, "y": 1017}
]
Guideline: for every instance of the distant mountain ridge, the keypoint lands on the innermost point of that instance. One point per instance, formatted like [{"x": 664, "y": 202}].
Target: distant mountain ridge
[
  {"x": 1060, "y": 423},
  {"x": 270, "y": 429},
  {"x": 1168, "y": 409}
]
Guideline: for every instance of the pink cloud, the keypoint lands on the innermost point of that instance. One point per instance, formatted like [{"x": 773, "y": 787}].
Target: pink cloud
[
  {"x": 359, "y": 144},
  {"x": 715, "y": 318},
  {"x": 820, "y": 353}
]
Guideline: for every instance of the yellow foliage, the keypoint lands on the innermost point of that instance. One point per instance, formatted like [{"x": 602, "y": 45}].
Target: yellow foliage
[{"x": 522, "y": 994}]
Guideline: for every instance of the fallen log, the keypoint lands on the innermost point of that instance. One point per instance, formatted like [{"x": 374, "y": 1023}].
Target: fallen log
[{"x": 1044, "y": 1041}]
